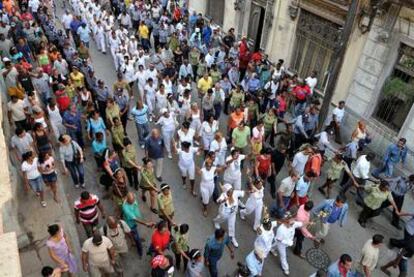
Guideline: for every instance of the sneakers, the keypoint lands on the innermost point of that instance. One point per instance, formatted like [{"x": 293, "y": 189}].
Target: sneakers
[
  {"x": 234, "y": 242},
  {"x": 216, "y": 225},
  {"x": 169, "y": 156},
  {"x": 286, "y": 272},
  {"x": 274, "y": 252},
  {"x": 242, "y": 216},
  {"x": 43, "y": 203},
  {"x": 82, "y": 185},
  {"x": 77, "y": 186}
]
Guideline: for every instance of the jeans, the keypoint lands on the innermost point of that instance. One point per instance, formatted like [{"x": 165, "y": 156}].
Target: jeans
[
  {"x": 137, "y": 240},
  {"x": 217, "y": 111},
  {"x": 387, "y": 168},
  {"x": 77, "y": 172},
  {"x": 132, "y": 174},
  {"x": 212, "y": 266},
  {"x": 300, "y": 108},
  {"x": 143, "y": 132}
]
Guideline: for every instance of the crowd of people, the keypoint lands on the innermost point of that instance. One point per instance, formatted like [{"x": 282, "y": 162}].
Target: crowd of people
[{"x": 232, "y": 119}]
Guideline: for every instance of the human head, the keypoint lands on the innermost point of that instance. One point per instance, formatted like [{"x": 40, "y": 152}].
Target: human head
[
  {"x": 340, "y": 200},
  {"x": 401, "y": 142},
  {"x": 377, "y": 240},
  {"x": 346, "y": 261},
  {"x": 84, "y": 196},
  {"x": 130, "y": 198},
  {"x": 162, "y": 226},
  {"x": 370, "y": 156},
  {"x": 165, "y": 189},
  {"x": 53, "y": 229},
  {"x": 308, "y": 206},
  {"x": 219, "y": 234},
  {"x": 341, "y": 104}
]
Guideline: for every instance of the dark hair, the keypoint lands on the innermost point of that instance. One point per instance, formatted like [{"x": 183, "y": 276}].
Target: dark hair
[
  {"x": 126, "y": 141},
  {"x": 27, "y": 155},
  {"x": 341, "y": 102},
  {"x": 47, "y": 271},
  {"x": 234, "y": 151},
  {"x": 184, "y": 228},
  {"x": 345, "y": 258},
  {"x": 377, "y": 239},
  {"x": 370, "y": 156},
  {"x": 195, "y": 254},
  {"x": 84, "y": 195},
  {"x": 403, "y": 140},
  {"x": 341, "y": 198},
  {"x": 219, "y": 233},
  {"x": 308, "y": 206},
  {"x": 37, "y": 126},
  {"x": 161, "y": 225},
  {"x": 186, "y": 124},
  {"x": 185, "y": 144},
  {"x": 19, "y": 131},
  {"x": 42, "y": 156},
  {"x": 146, "y": 160},
  {"x": 98, "y": 134},
  {"x": 53, "y": 229},
  {"x": 61, "y": 138}
]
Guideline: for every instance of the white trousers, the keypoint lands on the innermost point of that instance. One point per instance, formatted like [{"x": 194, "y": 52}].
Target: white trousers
[
  {"x": 281, "y": 249},
  {"x": 158, "y": 167},
  {"x": 58, "y": 129},
  {"x": 253, "y": 205},
  {"x": 235, "y": 181},
  {"x": 167, "y": 136},
  {"x": 100, "y": 43},
  {"x": 188, "y": 171},
  {"x": 150, "y": 101},
  {"x": 231, "y": 222}
]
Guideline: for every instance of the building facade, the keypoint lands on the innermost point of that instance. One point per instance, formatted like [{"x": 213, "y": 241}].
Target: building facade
[{"x": 377, "y": 77}]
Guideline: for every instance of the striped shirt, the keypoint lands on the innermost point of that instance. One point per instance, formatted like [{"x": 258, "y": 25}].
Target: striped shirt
[{"x": 88, "y": 209}]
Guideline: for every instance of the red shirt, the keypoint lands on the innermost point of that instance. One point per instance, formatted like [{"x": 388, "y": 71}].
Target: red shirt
[
  {"x": 62, "y": 100},
  {"x": 314, "y": 164},
  {"x": 342, "y": 269},
  {"x": 301, "y": 92},
  {"x": 264, "y": 164},
  {"x": 256, "y": 57},
  {"x": 160, "y": 241}
]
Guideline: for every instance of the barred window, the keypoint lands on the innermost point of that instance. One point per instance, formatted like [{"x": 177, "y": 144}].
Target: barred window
[{"x": 397, "y": 95}]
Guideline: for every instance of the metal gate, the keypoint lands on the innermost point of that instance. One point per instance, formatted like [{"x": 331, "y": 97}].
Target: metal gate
[{"x": 315, "y": 42}]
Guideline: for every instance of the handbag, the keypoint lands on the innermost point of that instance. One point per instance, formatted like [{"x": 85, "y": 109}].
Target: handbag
[{"x": 76, "y": 154}]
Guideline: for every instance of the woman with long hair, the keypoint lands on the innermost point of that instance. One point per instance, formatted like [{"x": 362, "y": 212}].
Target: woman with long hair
[{"x": 47, "y": 168}]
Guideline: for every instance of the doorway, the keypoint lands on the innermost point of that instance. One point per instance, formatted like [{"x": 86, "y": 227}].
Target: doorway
[{"x": 256, "y": 23}]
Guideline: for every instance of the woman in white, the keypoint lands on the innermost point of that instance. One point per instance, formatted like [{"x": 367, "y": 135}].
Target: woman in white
[
  {"x": 284, "y": 238},
  {"x": 149, "y": 97},
  {"x": 232, "y": 174},
  {"x": 167, "y": 123},
  {"x": 128, "y": 70},
  {"x": 161, "y": 99},
  {"x": 55, "y": 119},
  {"x": 99, "y": 32},
  {"x": 207, "y": 173},
  {"x": 266, "y": 235},
  {"x": 208, "y": 129},
  {"x": 168, "y": 85},
  {"x": 254, "y": 203},
  {"x": 195, "y": 117},
  {"x": 229, "y": 202},
  {"x": 173, "y": 107},
  {"x": 186, "y": 164},
  {"x": 219, "y": 146},
  {"x": 186, "y": 133},
  {"x": 141, "y": 79},
  {"x": 185, "y": 102}
]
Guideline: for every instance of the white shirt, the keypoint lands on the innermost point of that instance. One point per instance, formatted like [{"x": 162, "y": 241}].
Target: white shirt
[
  {"x": 273, "y": 88},
  {"x": 226, "y": 207},
  {"x": 161, "y": 100},
  {"x": 220, "y": 149},
  {"x": 339, "y": 113},
  {"x": 167, "y": 123},
  {"x": 369, "y": 255},
  {"x": 299, "y": 162},
  {"x": 265, "y": 239},
  {"x": 233, "y": 169},
  {"x": 209, "y": 59},
  {"x": 188, "y": 137},
  {"x": 186, "y": 159},
  {"x": 54, "y": 115},
  {"x": 311, "y": 82},
  {"x": 66, "y": 20},
  {"x": 31, "y": 169},
  {"x": 286, "y": 234},
  {"x": 208, "y": 130},
  {"x": 287, "y": 186},
  {"x": 362, "y": 167}
]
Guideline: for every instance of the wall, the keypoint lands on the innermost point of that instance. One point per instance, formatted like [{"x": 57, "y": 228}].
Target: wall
[
  {"x": 9, "y": 227},
  {"x": 200, "y": 6}
]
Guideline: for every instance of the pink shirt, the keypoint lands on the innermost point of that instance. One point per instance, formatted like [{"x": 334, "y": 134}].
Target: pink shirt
[{"x": 304, "y": 217}]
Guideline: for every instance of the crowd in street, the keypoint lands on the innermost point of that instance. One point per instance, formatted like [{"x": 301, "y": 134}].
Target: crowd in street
[{"x": 231, "y": 118}]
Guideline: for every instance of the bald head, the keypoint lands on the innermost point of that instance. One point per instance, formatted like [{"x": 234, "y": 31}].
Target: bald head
[{"x": 112, "y": 222}]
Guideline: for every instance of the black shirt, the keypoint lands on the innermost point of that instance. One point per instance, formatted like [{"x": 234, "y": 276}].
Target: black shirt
[{"x": 278, "y": 160}]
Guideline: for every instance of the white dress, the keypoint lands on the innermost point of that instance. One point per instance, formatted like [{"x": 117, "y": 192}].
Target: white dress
[
  {"x": 186, "y": 162},
  {"x": 196, "y": 121},
  {"x": 254, "y": 204},
  {"x": 56, "y": 122},
  {"x": 220, "y": 148},
  {"x": 207, "y": 184},
  {"x": 207, "y": 133}
]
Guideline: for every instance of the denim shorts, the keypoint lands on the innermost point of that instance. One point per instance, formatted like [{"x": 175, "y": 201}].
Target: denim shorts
[
  {"x": 36, "y": 184},
  {"x": 49, "y": 178},
  {"x": 403, "y": 265}
]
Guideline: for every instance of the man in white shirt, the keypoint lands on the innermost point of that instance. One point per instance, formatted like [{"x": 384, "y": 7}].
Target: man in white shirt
[
  {"x": 67, "y": 18},
  {"x": 311, "y": 81},
  {"x": 284, "y": 192},
  {"x": 300, "y": 159},
  {"x": 361, "y": 175},
  {"x": 336, "y": 119}
]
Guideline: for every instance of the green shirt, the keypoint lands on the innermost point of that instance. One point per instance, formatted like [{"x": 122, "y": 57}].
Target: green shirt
[
  {"x": 335, "y": 169},
  {"x": 118, "y": 135},
  {"x": 194, "y": 57},
  {"x": 215, "y": 75},
  {"x": 236, "y": 98},
  {"x": 181, "y": 242},
  {"x": 147, "y": 177},
  {"x": 129, "y": 155},
  {"x": 376, "y": 197},
  {"x": 241, "y": 138},
  {"x": 165, "y": 203},
  {"x": 269, "y": 121},
  {"x": 130, "y": 213}
]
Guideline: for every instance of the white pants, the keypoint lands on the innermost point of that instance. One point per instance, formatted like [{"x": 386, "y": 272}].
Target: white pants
[
  {"x": 150, "y": 101},
  {"x": 167, "y": 136},
  {"x": 281, "y": 249},
  {"x": 256, "y": 206},
  {"x": 323, "y": 230},
  {"x": 231, "y": 222},
  {"x": 207, "y": 139},
  {"x": 113, "y": 53},
  {"x": 235, "y": 181},
  {"x": 206, "y": 191},
  {"x": 188, "y": 171},
  {"x": 158, "y": 167},
  {"x": 100, "y": 43}
]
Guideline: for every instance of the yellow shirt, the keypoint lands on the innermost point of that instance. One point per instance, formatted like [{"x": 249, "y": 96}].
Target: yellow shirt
[
  {"x": 143, "y": 31},
  {"x": 204, "y": 84},
  {"x": 78, "y": 79}
]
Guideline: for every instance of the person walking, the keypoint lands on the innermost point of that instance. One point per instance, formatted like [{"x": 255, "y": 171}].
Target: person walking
[
  {"x": 401, "y": 260},
  {"x": 341, "y": 267},
  {"x": 369, "y": 255},
  {"x": 214, "y": 249},
  {"x": 60, "y": 250},
  {"x": 254, "y": 203},
  {"x": 31, "y": 176},
  {"x": 166, "y": 205},
  {"x": 254, "y": 262},
  {"x": 195, "y": 267},
  {"x": 72, "y": 158},
  {"x": 98, "y": 255},
  {"x": 167, "y": 123},
  {"x": 140, "y": 116},
  {"x": 180, "y": 245},
  {"x": 329, "y": 212},
  {"x": 303, "y": 215},
  {"x": 86, "y": 211},
  {"x": 395, "y": 153},
  {"x": 154, "y": 150}
]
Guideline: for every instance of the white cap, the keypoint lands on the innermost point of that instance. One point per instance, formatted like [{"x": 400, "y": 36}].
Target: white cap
[
  {"x": 259, "y": 251},
  {"x": 5, "y": 59},
  {"x": 197, "y": 30},
  {"x": 227, "y": 187}
]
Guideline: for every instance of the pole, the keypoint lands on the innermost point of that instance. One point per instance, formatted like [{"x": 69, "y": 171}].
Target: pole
[{"x": 336, "y": 64}]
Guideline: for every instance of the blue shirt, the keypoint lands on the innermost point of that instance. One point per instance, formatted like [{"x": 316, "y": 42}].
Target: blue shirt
[
  {"x": 214, "y": 249},
  {"x": 255, "y": 266},
  {"x": 154, "y": 147},
  {"x": 140, "y": 116},
  {"x": 83, "y": 34},
  {"x": 253, "y": 85},
  {"x": 409, "y": 226},
  {"x": 71, "y": 119},
  {"x": 395, "y": 154},
  {"x": 122, "y": 101},
  {"x": 75, "y": 24},
  {"x": 99, "y": 147},
  {"x": 334, "y": 215},
  {"x": 96, "y": 126},
  {"x": 302, "y": 187},
  {"x": 130, "y": 213}
]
